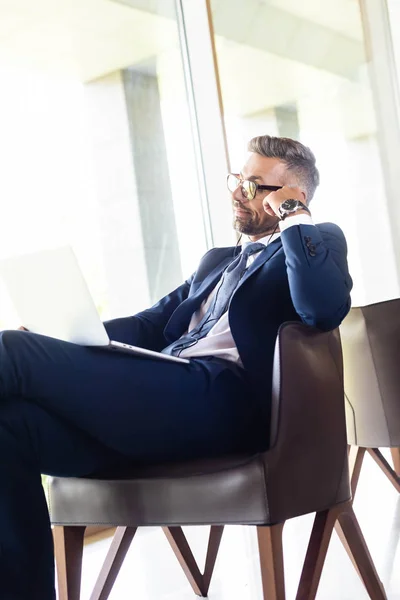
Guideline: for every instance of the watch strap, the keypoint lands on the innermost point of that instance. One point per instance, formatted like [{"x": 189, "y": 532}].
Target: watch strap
[{"x": 300, "y": 206}]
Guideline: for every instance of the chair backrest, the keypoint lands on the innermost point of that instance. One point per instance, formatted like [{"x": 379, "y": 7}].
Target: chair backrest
[
  {"x": 371, "y": 353},
  {"x": 307, "y": 461}
]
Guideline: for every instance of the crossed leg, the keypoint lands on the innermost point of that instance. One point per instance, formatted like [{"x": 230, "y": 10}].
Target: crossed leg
[{"x": 71, "y": 411}]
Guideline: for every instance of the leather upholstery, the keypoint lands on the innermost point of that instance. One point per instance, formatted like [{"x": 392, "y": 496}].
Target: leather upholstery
[
  {"x": 371, "y": 354},
  {"x": 305, "y": 469}
]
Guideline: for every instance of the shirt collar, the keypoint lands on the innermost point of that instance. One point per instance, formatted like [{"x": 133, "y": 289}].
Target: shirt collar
[{"x": 267, "y": 239}]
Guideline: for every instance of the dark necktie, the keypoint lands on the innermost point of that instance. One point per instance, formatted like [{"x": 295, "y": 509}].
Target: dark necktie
[{"x": 219, "y": 305}]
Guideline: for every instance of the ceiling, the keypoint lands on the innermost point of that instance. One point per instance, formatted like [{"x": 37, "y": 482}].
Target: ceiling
[
  {"x": 270, "y": 52},
  {"x": 342, "y": 16},
  {"x": 81, "y": 39},
  {"x": 86, "y": 39}
]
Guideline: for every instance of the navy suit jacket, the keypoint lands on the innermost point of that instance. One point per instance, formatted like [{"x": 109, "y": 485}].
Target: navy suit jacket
[{"x": 301, "y": 276}]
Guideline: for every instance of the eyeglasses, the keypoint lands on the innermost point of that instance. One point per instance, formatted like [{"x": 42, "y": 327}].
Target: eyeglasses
[{"x": 248, "y": 187}]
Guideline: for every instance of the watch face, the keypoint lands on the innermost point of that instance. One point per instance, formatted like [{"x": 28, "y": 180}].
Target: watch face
[{"x": 290, "y": 204}]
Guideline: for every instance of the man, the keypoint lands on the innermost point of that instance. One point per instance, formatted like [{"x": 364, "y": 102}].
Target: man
[{"x": 73, "y": 411}]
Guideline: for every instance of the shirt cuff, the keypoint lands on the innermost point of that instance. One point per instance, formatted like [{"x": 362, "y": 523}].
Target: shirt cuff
[{"x": 295, "y": 220}]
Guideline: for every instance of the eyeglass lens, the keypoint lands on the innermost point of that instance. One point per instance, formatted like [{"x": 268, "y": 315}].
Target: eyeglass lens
[{"x": 248, "y": 188}]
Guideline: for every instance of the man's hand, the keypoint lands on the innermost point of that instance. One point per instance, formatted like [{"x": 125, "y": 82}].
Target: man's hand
[{"x": 272, "y": 202}]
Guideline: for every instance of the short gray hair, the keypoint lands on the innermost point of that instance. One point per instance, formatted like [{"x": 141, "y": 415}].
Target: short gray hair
[{"x": 298, "y": 159}]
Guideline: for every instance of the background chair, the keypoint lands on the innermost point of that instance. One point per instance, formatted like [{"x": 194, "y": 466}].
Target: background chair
[
  {"x": 371, "y": 354},
  {"x": 304, "y": 471}
]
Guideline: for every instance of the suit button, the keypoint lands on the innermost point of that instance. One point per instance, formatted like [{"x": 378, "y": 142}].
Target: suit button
[
  {"x": 307, "y": 239},
  {"x": 311, "y": 247},
  {"x": 311, "y": 253}
]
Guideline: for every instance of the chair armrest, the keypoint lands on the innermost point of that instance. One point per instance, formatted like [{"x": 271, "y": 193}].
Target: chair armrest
[
  {"x": 307, "y": 464},
  {"x": 371, "y": 351}
]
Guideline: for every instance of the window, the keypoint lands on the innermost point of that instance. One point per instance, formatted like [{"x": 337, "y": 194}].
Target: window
[
  {"x": 96, "y": 148},
  {"x": 394, "y": 16},
  {"x": 299, "y": 69}
]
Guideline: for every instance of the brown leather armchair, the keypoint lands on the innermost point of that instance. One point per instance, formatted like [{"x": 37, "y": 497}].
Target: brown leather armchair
[
  {"x": 304, "y": 471},
  {"x": 371, "y": 354}
]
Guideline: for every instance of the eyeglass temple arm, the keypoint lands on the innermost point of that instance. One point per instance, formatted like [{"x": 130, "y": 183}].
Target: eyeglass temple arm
[{"x": 272, "y": 188}]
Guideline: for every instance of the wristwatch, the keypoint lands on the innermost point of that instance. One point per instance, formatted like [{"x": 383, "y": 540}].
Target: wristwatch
[{"x": 290, "y": 206}]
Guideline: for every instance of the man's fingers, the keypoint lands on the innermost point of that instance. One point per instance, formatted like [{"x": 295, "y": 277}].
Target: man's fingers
[{"x": 268, "y": 208}]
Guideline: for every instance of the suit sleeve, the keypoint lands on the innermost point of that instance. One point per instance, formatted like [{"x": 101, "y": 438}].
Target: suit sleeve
[
  {"x": 319, "y": 280},
  {"x": 145, "y": 329}
]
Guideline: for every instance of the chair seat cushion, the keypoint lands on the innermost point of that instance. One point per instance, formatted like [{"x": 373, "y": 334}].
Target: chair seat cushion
[{"x": 230, "y": 490}]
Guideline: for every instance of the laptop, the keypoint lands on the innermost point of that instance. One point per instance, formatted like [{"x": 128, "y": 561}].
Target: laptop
[{"x": 51, "y": 297}]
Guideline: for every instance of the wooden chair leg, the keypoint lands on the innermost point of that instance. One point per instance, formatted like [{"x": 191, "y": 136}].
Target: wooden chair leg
[
  {"x": 68, "y": 550},
  {"x": 183, "y": 553},
  {"x": 356, "y": 457},
  {"x": 214, "y": 541},
  {"x": 386, "y": 468},
  {"x": 200, "y": 582},
  {"x": 271, "y": 560},
  {"x": 396, "y": 460},
  {"x": 351, "y": 535},
  {"x": 316, "y": 552},
  {"x": 112, "y": 564}
]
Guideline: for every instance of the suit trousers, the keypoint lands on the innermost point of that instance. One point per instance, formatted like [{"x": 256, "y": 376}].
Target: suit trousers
[{"x": 71, "y": 411}]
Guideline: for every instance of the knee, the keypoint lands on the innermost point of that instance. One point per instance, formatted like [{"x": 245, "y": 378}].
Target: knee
[
  {"x": 11, "y": 344},
  {"x": 11, "y": 338}
]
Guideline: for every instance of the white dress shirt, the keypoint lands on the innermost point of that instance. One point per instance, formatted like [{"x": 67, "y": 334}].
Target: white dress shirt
[{"x": 219, "y": 340}]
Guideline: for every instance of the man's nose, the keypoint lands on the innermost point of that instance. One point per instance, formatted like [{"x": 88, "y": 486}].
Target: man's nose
[{"x": 238, "y": 196}]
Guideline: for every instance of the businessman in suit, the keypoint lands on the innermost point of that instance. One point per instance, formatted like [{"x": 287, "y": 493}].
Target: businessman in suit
[{"x": 72, "y": 411}]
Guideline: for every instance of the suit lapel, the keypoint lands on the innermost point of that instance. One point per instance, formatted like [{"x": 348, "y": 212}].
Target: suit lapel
[
  {"x": 181, "y": 316},
  {"x": 211, "y": 280}
]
